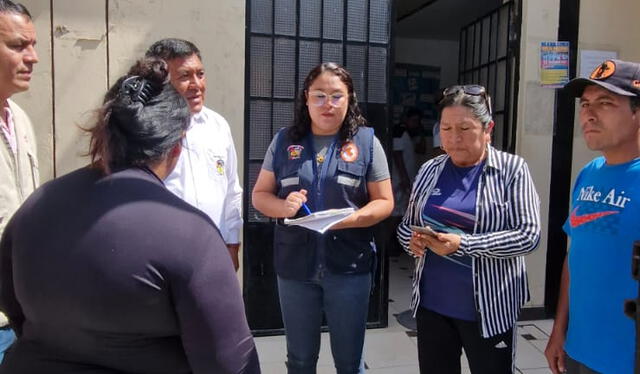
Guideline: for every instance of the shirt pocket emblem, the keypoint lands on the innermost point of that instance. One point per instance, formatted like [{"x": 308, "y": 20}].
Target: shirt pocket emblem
[
  {"x": 294, "y": 151},
  {"x": 220, "y": 166}
]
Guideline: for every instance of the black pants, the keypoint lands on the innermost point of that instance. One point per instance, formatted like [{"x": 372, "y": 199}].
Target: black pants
[{"x": 441, "y": 339}]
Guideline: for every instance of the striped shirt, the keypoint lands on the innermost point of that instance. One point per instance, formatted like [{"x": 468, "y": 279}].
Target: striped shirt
[{"x": 507, "y": 228}]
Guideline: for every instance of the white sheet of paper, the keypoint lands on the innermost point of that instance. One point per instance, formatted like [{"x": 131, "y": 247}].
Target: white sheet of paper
[{"x": 321, "y": 221}]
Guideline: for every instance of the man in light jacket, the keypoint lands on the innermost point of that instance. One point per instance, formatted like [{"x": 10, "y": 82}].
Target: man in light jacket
[{"x": 18, "y": 160}]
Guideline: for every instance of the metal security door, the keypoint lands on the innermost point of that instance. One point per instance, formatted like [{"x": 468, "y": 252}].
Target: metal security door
[
  {"x": 490, "y": 56},
  {"x": 285, "y": 39}
]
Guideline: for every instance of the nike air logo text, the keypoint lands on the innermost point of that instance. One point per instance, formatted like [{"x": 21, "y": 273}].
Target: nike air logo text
[{"x": 611, "y": 198}]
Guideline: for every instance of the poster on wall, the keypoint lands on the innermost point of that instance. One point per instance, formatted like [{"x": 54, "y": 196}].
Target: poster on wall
[
  {"x": 554, "y": 64},
  {"x": 415, "y": 86}
]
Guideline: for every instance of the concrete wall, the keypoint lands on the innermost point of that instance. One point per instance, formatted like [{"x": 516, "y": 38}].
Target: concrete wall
[
  {"x": 86, "y": 45},
  {"x": 613, "y": 27},
  {"x": 535, "y": 122},
  {"x": 438, "y": 53}
]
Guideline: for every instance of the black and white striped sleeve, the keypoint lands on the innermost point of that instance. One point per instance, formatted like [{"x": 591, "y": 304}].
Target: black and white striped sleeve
[{"x": 511, "y": 226}]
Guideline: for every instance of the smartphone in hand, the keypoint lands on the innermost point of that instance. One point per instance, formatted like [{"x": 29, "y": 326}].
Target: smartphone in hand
[{"x": 424, "y": 230}]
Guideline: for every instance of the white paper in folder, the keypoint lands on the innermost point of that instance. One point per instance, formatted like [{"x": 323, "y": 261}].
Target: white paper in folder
[{"x": 321, "y": 221}]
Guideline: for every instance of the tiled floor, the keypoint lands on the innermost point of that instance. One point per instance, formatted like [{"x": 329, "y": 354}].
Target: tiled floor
[{"x": 392, "y": 351}]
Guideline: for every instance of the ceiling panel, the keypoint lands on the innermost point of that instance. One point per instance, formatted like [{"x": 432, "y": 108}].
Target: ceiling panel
[{"x": 438, "y": 19}]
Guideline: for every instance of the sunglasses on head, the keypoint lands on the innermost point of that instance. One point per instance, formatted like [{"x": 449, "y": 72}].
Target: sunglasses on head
[{"x": 469, "y": 89}]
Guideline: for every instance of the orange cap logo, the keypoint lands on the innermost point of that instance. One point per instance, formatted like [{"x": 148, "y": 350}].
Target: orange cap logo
[
  {"x": 349, "y": 152},
  {"x": 604, "y": 71},
  {"x": 636, "y": 84}
]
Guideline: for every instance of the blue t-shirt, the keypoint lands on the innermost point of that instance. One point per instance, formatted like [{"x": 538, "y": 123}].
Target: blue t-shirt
[
  {"x": 446, "y": 285},
  {"x": 603, "y": 223}
]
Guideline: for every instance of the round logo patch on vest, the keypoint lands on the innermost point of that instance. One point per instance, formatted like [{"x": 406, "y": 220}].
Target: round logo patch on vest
[
  {"x": 294, "y": 151},
  {"x": 604, "y": 70},
  {"x": 349, "y": 152}
]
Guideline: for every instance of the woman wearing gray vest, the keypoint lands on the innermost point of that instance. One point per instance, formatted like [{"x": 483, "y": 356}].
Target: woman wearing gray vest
[{"x": 327, "y": 159}]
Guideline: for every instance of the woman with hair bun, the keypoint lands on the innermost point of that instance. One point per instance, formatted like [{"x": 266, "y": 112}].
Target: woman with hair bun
[{"x": 104, "y": 270}]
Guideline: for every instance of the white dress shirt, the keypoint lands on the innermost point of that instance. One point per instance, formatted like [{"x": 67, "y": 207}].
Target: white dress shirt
[{"x": 206, "y": 175}]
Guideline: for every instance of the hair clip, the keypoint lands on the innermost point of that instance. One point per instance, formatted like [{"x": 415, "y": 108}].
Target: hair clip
[{"x": 138, "y": 89}]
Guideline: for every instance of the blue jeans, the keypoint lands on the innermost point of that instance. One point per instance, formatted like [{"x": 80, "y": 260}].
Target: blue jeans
[
  {"x": 7, "y": 337},
  {"x": 344, "y": 299}
]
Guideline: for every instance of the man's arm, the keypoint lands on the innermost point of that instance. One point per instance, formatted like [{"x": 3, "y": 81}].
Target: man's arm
[
  {"x": 233, "y": 205},
  {"x": 555, "y": 347}
]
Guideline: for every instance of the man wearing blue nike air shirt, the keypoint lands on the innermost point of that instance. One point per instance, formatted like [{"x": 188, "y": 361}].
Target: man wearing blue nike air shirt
[{"x": 591, "y": 334}]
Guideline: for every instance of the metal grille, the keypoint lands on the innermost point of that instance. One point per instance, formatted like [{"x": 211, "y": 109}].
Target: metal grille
[
  {"x": 251, "y": 213},
  {"x": 332, "y": 52},
  {"x": 284, "y": 62},
  {"x": 333, "y": 13},
  {"x": 356, "y": 62},
  {"x": 377, "y": 92},
  {"x": 260, "y": 113},
  {"x": 260, "y": 67},
  {"x": 308, "y": 57},
  {"x": 310, "y": 16},
  {"x": 379, "y": 16},
  {"x": 489, "y": 55},
  {"x": 285, "y": 17},
  {"x": 288, "y": 38},
  {"x": 261, "y": 16},
  {"x": 357, "y": 16}
]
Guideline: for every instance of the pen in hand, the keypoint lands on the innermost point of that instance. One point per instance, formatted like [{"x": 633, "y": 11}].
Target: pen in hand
[{"x": 306, "y": 208}]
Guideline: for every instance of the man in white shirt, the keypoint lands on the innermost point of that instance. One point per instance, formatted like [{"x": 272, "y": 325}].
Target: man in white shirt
[
  {"x": 206, "y": 175},
  {"x": 18, "y": 161}
]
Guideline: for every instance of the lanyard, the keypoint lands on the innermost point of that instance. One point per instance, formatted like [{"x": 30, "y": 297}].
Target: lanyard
[{"x": 320, "y": 175}]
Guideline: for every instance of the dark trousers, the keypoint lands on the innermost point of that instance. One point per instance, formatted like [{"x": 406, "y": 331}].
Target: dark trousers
[
  {"x": 441, "y": 340},
  {"x": 344, "y": 299}
]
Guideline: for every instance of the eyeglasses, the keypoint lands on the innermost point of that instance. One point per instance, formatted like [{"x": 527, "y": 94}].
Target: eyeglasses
[
  {"x": 469, "y": 89},
  {"x": 319, "y": 98}
]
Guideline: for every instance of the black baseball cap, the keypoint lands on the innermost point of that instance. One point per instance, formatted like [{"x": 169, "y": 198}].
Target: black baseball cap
[{"x": 617, "y": 76}]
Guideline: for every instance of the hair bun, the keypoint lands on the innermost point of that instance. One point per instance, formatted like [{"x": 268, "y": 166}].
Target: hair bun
[
  {"x": 145, "y": 80},
  {"x": 152, "y": 69},
  {"x": 139, "y": 89}
]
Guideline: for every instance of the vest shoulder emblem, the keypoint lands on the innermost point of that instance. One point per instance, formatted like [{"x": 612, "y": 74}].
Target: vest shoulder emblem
[
  {"x": 349, "y": 152},
  {"x": 294, "y": 151}
]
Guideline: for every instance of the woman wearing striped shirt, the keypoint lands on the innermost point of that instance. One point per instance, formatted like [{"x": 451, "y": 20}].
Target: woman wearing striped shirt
[{"x": 470, "y": 279}]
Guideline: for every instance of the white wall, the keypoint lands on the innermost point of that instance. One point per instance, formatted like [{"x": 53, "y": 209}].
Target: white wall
[
  {"x": 613, "y": 27},
  {"x": 540, "y": 19},
  {"x": 438, "y": 53},
  {"x": 85, "y": 45}
]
